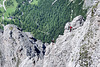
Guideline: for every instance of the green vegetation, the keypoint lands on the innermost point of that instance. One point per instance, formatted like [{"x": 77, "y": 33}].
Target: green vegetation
[
  {"x": 1, "y": 10},
  {"x": 85, "y": 59},
  {"x": 1, "y": 13},
  {"x": 94, "y": 8},
  {"x": 44, "y": 20},
  {"x": 34, "y": 2},
  {"x": 9, "y": 3},
  {"x": 11, "y": 28},
  {"x": 1, "y": 27},
  {"x": 10, "y": 6},
  {"x": 1, "y": 1}
]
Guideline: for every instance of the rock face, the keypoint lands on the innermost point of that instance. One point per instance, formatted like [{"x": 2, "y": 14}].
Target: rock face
[
  {"x": 19, "y": 49},
  {"x": 89, "y": 3},
  {"x": 81, "y": 46}
]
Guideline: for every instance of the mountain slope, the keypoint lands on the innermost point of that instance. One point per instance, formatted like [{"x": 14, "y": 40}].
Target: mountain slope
[
  {"x": 44, "y": 20},
  {"x": 79, "y": 48}
]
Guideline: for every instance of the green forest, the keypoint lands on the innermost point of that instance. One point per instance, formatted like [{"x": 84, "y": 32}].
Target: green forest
[{"x": 42, "y": 18}]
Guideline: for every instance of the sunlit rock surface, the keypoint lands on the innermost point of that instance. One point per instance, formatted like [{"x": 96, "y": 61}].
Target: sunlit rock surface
[
  {"x": 79, "y": 47},
  {"x": 19, "y": 49}
]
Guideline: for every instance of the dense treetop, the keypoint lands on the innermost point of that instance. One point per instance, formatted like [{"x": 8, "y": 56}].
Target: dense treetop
[{"x": 44, "y": 20}]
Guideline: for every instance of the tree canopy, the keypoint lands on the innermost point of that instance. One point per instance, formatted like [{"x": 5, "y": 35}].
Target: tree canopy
[{"x": 44, "y": 20}]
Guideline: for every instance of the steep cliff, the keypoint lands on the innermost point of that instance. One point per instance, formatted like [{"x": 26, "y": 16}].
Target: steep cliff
[{"x": 81, "y": 46}]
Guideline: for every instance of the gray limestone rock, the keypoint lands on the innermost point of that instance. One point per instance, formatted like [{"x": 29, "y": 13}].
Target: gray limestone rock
[
  {"x": 78, "y": 48},
  {"x": 19, "y": 49}
]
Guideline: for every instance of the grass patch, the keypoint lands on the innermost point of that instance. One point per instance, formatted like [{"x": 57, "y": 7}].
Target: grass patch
[
  {"x": 1, "y": 11},
  {"x": 1, "y": 1},
  {"x": 34, "y": 2},
  {"x": 11, "y": 28},
  {"x": 85, "y": 59},
  {"x": 94, "y": 9},
  {"x": 10, "y": 8},
  {"x": 1, "y": 27}
]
